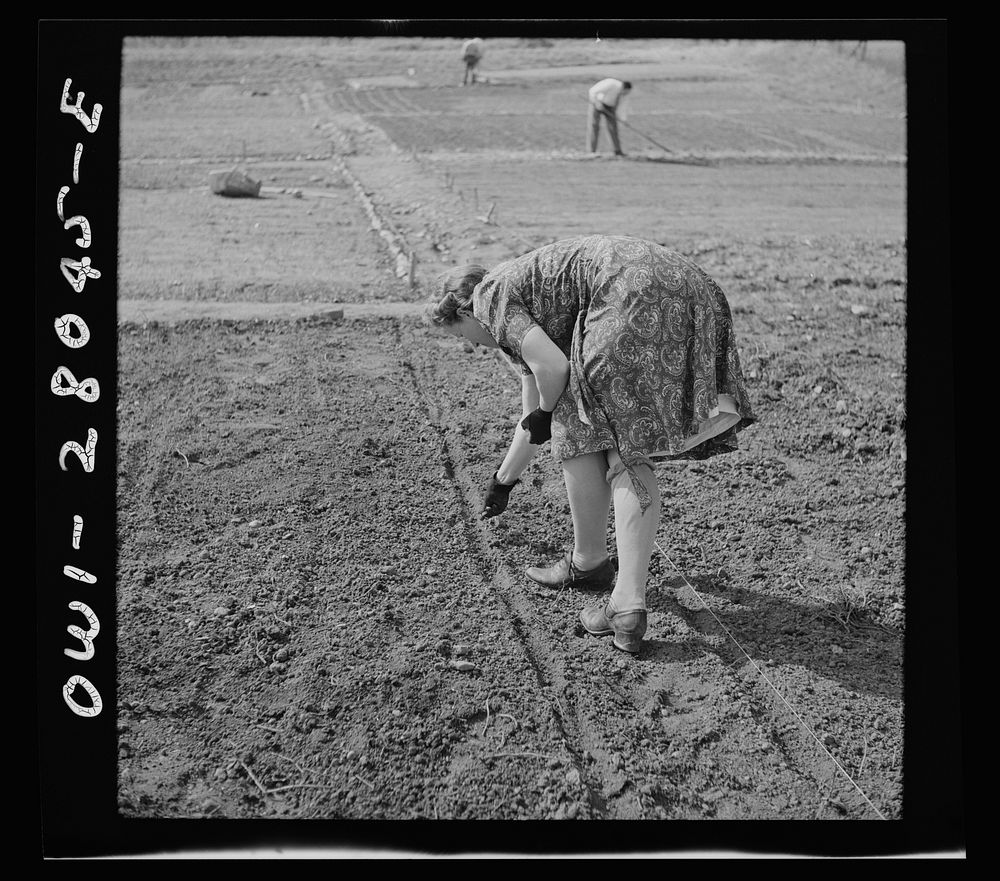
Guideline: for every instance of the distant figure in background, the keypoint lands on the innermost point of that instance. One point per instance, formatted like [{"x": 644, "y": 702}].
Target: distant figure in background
[
  {"x": 607, "y": 99},
  {"x": 472, "y": 54}
]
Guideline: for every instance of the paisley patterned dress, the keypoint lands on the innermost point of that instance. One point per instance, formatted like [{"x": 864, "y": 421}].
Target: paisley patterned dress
[{"x": 650, "y": 343}]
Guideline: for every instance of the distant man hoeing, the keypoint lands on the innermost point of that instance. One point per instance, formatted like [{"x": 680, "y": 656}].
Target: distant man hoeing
[{"x": 607, "y": 100}]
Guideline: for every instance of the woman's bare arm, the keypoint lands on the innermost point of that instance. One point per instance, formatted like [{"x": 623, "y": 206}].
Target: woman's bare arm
[
  {"x": 548, "y": 364},
  {"x": 529, "y": 395},
  {"x": 549, "y": 375},
  {"x": 521, "y": 452}
]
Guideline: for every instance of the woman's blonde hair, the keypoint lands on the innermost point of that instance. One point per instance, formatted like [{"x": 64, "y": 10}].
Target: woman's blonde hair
[{"x": 455, "y": 289}]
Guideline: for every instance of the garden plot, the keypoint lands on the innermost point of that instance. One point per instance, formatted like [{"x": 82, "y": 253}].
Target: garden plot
[{"x": 314, "y": 623}]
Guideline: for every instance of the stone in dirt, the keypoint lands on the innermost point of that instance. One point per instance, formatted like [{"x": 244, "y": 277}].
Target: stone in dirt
[{"x": 234, "y": 183}]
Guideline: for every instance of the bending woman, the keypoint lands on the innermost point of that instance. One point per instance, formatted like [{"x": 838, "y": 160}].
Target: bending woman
[{"x": 627, "y": 355}]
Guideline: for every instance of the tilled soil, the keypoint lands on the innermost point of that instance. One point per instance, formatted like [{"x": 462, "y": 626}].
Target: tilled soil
[
  {"x": 316, "y": 624},
  {"x": 312, "y": 620}
]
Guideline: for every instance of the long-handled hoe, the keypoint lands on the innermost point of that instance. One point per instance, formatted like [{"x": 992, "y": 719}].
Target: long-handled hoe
[{"x": 687, "y": 160}]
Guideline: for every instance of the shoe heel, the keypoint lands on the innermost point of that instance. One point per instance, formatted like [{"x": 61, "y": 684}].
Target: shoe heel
[{"x": 629, "y": 629}]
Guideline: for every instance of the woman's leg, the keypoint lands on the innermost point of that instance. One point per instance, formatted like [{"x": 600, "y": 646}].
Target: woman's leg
[
  {"x": 589, "y": 504},
  {"x": 635, "y": 534}
]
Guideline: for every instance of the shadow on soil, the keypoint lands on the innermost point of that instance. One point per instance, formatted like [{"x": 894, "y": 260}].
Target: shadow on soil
[{"x": 783, "y": 632}]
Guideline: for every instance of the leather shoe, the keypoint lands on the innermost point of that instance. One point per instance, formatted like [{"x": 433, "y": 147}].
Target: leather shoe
[
  {"x": 565, "y": 574},
  {"x": 628, "y": 626}
]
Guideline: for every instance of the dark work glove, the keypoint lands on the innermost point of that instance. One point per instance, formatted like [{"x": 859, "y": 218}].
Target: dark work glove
[
  {"x": 538, "y": 424},
  {"x": 497, "y": 495}
]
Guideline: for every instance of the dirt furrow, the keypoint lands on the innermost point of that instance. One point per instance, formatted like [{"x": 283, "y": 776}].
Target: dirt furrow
[
  {"x": 581, "y": 711},
  {"x": 427, "y": 218},
  {"x": 406, "y": 102},
  {"x": 576, "y": 735},
  {"x": 705, "y": 714},
  {"x": 782, "y": 723},
  {"x": 578, "y": 722}
]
